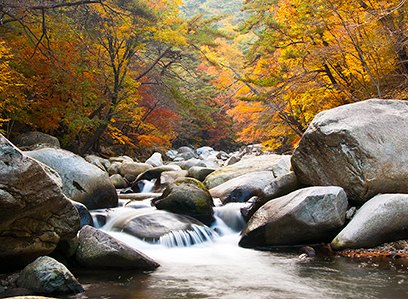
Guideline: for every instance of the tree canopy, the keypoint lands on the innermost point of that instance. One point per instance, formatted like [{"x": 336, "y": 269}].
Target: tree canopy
[{"x": 137, "y": 75}]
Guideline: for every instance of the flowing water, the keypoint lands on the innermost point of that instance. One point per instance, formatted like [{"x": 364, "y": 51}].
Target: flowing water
[{"x": 215, "y": 267}]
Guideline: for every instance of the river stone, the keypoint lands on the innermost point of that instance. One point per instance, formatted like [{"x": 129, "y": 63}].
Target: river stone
[
  {"x": 361, "y": 147},
  {"x": 381, "y": 219},
  {"x": 118, "y": 181},
  {"x": 47, "y": 276},
  {"x": 114, "y": 168},
  {"x": 134, "y": 168},
  {"x": 98, "y": 250},
  {"x": 34, "y": 213},
  {"x": 83, "y": 212},
  {"x": 155, "y": 160},
  {"x": 32, "y": 138},
  {"x": 283, "y": 166},
  {"x": 187, "y": 196},
  {"x": 150, "y": 224},
  {"x": 246, "y": 165},
  {"x": 154, "y": 173},
  {"x": 82, "y": 181},
  {"x": 204, "y": 149},
  {"x": 166, "y": 178},
  {"x": 99, "y": 162},
  {"x": 306, "y": 216},
  {"x": 278, "y": 187},
  {"x": 199, "y": 172},
  {"x": 242, "y": 188}
]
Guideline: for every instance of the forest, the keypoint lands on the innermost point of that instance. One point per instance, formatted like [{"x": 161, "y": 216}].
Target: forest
[{"x": 136, "y": 76}]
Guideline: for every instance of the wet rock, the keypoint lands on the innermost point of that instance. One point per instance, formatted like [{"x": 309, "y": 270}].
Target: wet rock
[
  {"x": 118, "y": 181},
  {"x": 187, "y": 196},
  {"x": 357, "y": 147},
  {"x": 134, "y": 168},
  {"x": 306, "y": 216},
  {"x": 34, "y": 214},
  {"x": 242, "y": 188},
  {"x": 82, "y": 181},
  {"x": 199, "y": 172},
  {"x": 246, "y": 165},
  {"x": 83, "y": 212},
  {"x": 98, "y": 250},
  {"x": 151, "y": 224},
  {"x": 47, "y": 276},
  {"x": 154, "y": 173},
  {"x": 166, "y": 178},
  {"x": 381, "y": 219}
]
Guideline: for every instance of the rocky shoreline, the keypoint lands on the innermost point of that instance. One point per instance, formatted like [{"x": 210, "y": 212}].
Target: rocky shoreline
[{"x": 344, "y": 186}]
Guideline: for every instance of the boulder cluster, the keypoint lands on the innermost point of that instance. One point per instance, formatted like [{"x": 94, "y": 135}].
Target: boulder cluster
[{"x": 345, "y": 185}]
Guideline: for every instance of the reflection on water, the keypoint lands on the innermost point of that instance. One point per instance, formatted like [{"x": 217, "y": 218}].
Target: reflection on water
[{"x": 221, "y": 269}]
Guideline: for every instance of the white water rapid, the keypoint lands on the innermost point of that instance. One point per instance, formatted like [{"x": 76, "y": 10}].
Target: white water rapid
[{"x": 208, "y": 263}]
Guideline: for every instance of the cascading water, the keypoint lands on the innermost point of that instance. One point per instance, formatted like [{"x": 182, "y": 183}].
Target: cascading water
[
  {"x": 216, "y": 267},
  {"x": 198, "y": 234}
]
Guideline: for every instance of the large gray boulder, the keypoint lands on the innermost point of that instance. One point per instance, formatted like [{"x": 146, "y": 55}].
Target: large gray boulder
[
  {"x": 242, "y": 188},
  {"x": 98, "y": 250},
  {"x": 361, "y": 147},
  {"x": 82, "y": 181},
  {"x": 306, "y": 216},
  {"x": 246, "y": 165},
  {"x": 34, "y": 213},
  {"x": 187, "y": 196},
  {"x": 278, "y": 187},
  {"x": 46, "y": 276},
  {"x": 151, "y": 224},
  {"x": 381, "y": 219}
]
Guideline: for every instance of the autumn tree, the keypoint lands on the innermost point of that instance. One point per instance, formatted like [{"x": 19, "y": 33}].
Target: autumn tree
[{"x": 312, "y": 56}]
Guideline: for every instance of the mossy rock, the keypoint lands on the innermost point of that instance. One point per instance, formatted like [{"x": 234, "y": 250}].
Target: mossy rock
[{"x": 187, "y": 196}]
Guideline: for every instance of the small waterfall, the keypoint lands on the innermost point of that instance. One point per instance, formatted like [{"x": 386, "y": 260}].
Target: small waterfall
[
  {"x": 199, "y": 234},
  {"x": 230, "y": 214},
  {"x": 146, "y": 186}
]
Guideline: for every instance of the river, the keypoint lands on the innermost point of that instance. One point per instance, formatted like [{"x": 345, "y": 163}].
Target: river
[{"x": 219, "y": 268}]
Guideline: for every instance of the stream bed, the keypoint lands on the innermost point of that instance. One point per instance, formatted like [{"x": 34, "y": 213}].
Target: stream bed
[{"x": 219, "y": 268}]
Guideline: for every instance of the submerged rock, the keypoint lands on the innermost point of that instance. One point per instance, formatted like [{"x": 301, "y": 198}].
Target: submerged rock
[
  {"x": 82, "y": 181},
  {"x": 34, "y": 213},
  {"x": 46, "y": 276},
  {"x": 381, "y": 219},
  {"x": 150, "y": 224},
  {"x": 187, "y": 196},
  {"x": 306, "y": 216},
  {"x": 358, "y": 147},
  {"x": 98, "y": 250}
]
